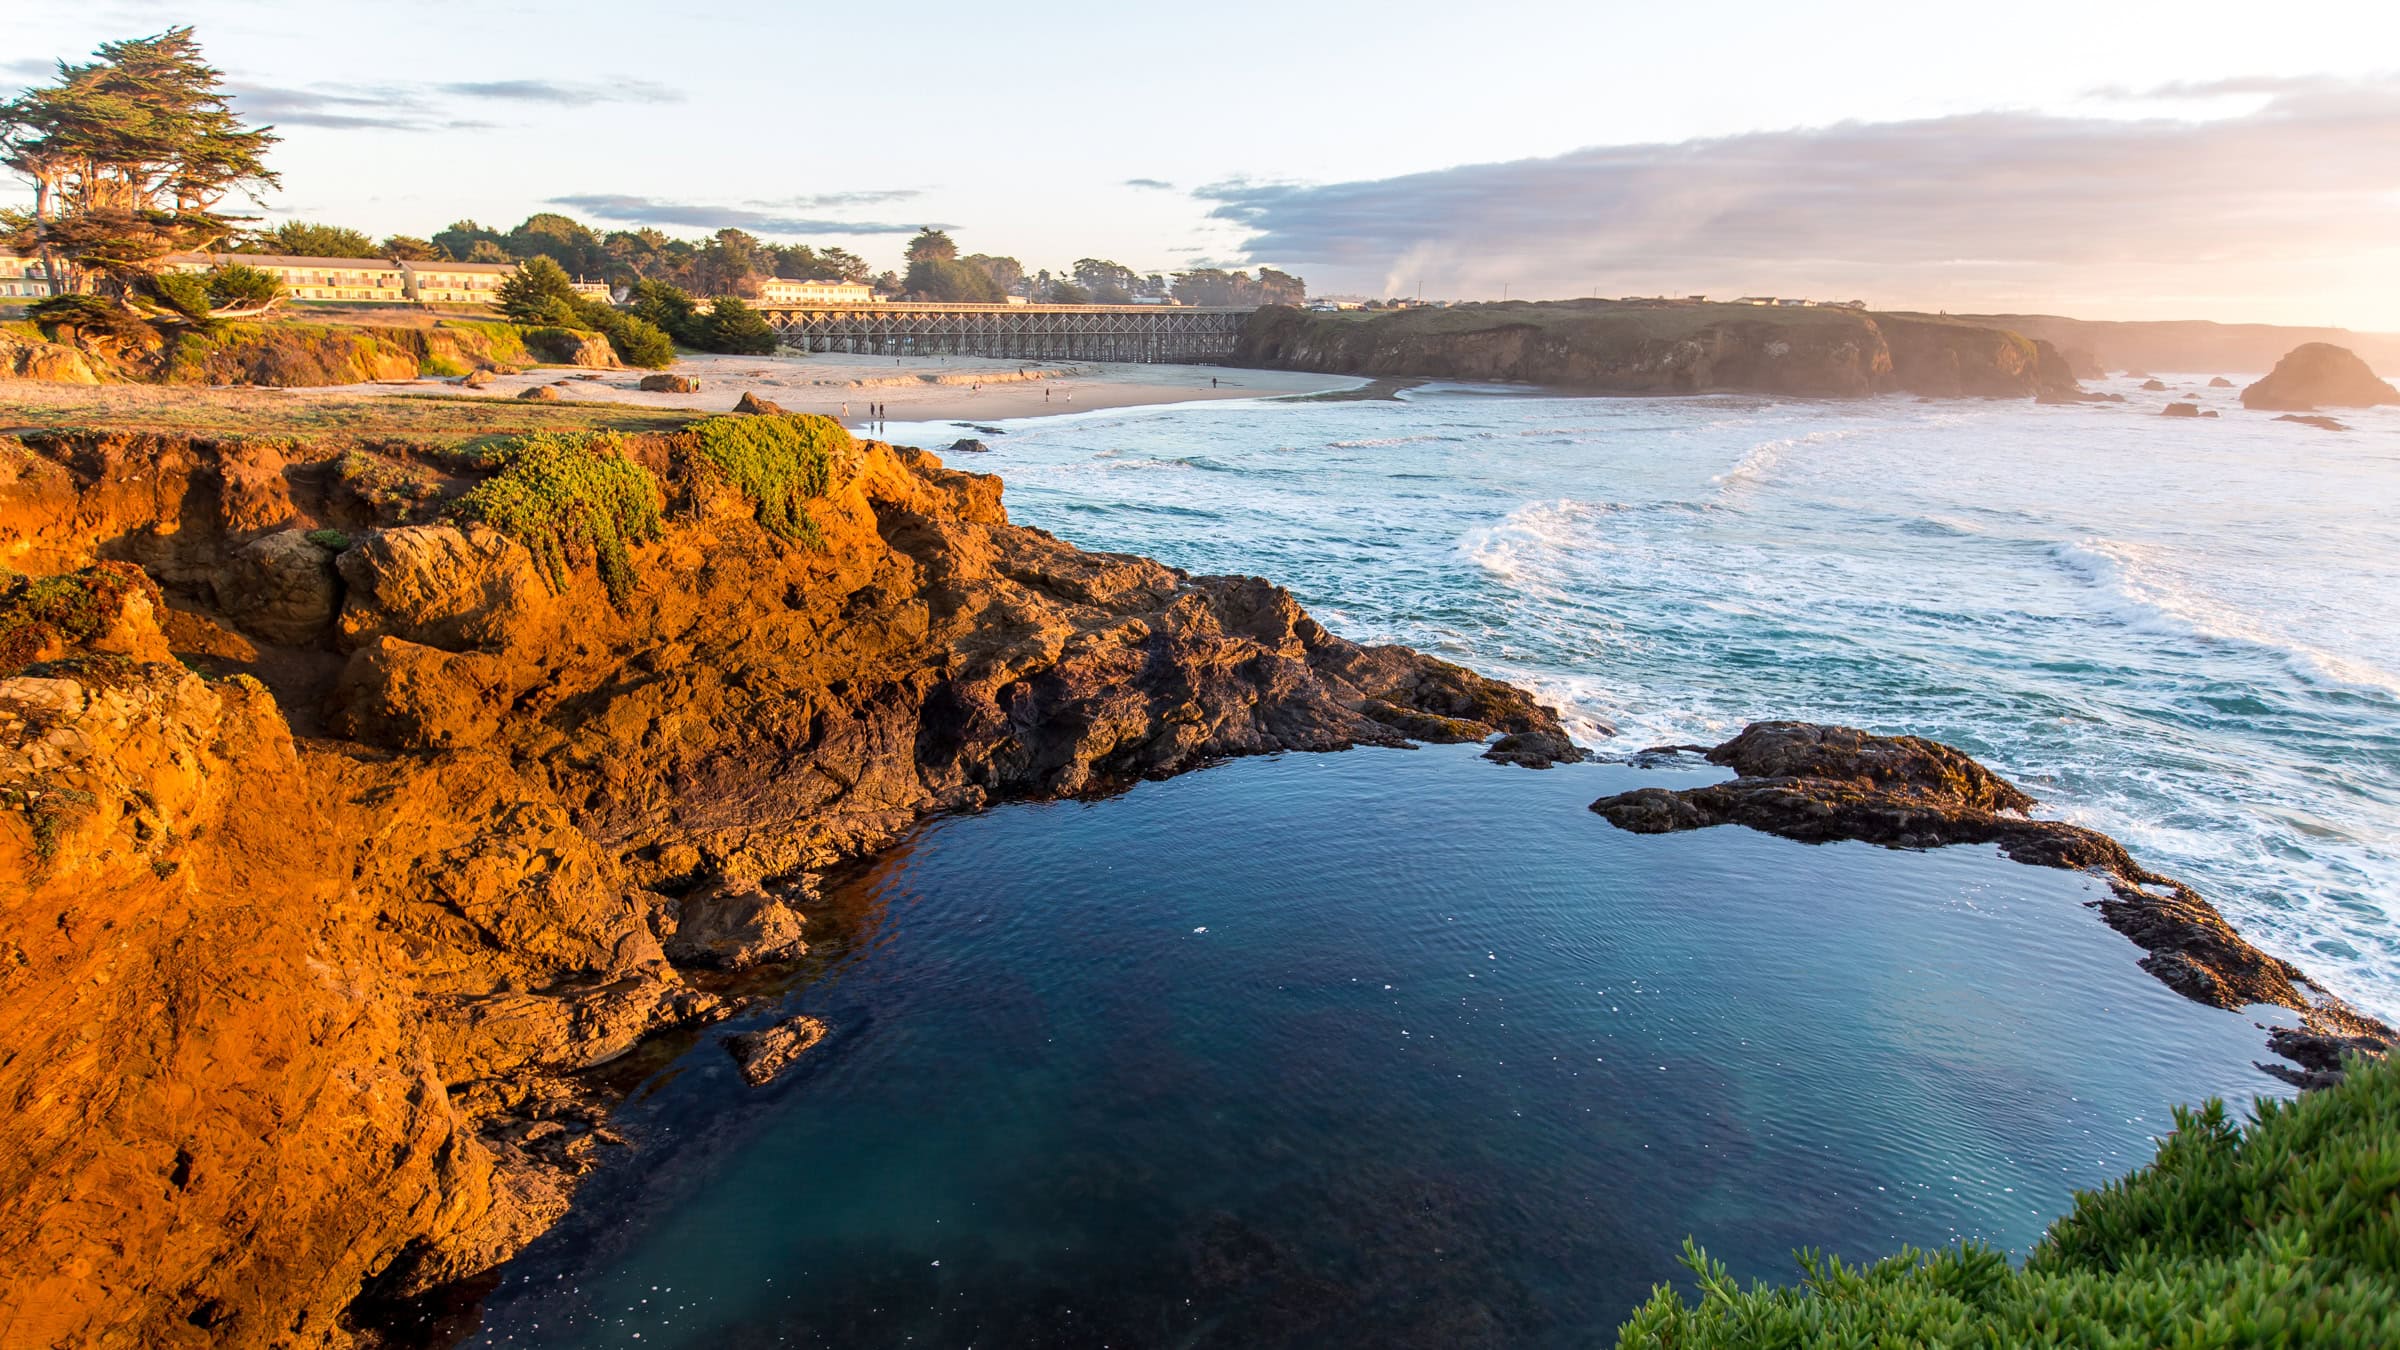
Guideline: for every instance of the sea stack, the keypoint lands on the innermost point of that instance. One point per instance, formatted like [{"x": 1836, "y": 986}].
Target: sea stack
[{"x": 2318, "y": 374}]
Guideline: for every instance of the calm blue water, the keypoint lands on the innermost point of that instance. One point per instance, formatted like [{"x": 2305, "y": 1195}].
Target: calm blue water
[
  {"x": 1404, "y": 1048},
  {"x": 1390, "y": 1048}
]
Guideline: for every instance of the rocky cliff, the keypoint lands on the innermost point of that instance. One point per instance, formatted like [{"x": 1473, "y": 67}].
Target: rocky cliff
[
  {"x": 357, "y": 802},
  {"x": 1613, "y": 347}
]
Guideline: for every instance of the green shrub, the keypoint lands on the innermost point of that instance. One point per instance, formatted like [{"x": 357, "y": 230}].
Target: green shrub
[
  {"x": 779, "y": 463},
  {"x": 2286, "y": 1232},
  {"x": 732, "y": 326},
  {"x": 437, "y": 365},
  {"x": 331, "y": 540},
  {"x": 639, "y": 342},
  {"x": 242, "y": 284},
  {"x": 567, "y": 493},
  {"x": 185, "y": 293},
  {"x": 538, "y": 292},
  {"x": 74, "y": 607},
  {"x": 88, "y": 313},
  {"x": 670, "y": 308}
]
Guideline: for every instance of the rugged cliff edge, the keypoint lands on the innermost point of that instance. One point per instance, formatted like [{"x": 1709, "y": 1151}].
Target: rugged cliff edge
[
  {"x": 1819, "y": 783},
  {"x": 354, "y": 803},
  {"x": 1617, "y": 347}
]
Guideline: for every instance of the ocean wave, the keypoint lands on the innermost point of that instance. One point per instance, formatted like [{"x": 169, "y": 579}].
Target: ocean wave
[
  {"x": 1525, "y": 547},
  {"x": 2143, "y": 594},
  {"x": 1765, "y": 455}
]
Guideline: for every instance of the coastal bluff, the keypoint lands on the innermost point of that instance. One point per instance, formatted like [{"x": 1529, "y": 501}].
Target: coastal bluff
[
  {"x": 362, "y": 798},
  {"x": 1665, "y": 347}
]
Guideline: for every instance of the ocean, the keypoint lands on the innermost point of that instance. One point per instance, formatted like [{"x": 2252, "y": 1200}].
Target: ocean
[{"x": 1406, "y": 1048}]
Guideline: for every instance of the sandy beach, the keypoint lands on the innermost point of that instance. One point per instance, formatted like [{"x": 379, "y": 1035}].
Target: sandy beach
[{"x": 912, "y": 389}]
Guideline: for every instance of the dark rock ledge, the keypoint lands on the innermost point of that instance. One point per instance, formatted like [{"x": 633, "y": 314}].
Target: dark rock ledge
[{"x": 1821, "y": 783}]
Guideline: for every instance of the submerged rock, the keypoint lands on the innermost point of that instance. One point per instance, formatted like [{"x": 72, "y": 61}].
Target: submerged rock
[
  {"x": 2219, "y": 382},
  {"x": 2154, "y": 386},
  {"x": 2318, "y": 374},
  {"x": 2320, "y": 423},
  {"x": 1818, "y": 783},
  {"x": 2180, "y": 410},
  {"x": 763, "y": 1054},
  {"x": 968, "y": 446}
]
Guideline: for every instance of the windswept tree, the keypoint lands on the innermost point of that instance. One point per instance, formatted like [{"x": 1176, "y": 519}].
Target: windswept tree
[
  {"x": 1110, "y": 283},
  {"x": 300, "y": 239},
  {"x": 539, "y": 293},
  {"x": 409, "y": 248},
  {"x": 460, "y": 240},
  {"x": 1006, "y": 273},
  {"x": 932, "y": 245},
  {"x": 130, "y": 157}
]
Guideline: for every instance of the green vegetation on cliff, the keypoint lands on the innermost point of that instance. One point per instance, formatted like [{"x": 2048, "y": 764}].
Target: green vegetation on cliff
[
  {"x": 2283, "y": 1233},
  {"x": 565, "y": 495},
  {"x": 778, "y": 462},
  {"x": 42, "y": 616}
]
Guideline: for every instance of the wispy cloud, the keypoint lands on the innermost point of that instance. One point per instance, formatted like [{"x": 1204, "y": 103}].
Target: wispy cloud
[
  {"x": 1154, "y": 184},
  {"x": 426, "y": 107},
  {"x": 631, "y": 210},
  {"x": 835, "y": 201},
  {"x": 2293, "y": 201},
  {"x": 563, "y": 94}
]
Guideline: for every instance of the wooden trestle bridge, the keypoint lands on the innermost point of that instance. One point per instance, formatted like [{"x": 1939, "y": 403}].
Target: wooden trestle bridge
[{"x": 1021, "y": 332}]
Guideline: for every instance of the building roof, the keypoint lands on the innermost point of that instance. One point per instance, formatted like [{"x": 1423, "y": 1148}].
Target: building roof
[
  {"x": 289, "y": 260},
  {"x": 338, "y": 264}
]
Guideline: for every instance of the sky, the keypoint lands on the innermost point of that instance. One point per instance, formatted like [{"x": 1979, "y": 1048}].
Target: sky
[{"x": 2106, "y": 160}]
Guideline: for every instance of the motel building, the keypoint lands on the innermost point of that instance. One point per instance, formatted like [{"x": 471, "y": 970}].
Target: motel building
[
  {"x": 455, "y": 283},
  {"x": 364, "y": 280},
  {"x": 785, "y": 291},
  {"x": 22, "y": 278}
]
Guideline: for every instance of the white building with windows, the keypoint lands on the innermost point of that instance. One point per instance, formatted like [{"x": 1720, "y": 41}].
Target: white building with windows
[{"x": 786, "y": 291}]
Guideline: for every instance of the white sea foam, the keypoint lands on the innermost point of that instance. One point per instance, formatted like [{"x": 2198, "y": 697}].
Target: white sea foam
[{"x": 2143, "y": 590}]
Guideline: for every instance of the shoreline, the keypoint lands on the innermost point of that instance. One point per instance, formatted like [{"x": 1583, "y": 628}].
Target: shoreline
[{"x": 912, "y": 389}]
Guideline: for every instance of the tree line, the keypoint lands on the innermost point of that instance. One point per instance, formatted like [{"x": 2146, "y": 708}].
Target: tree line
[
  {"x": 737, "y": 263},
  {"x": 937, "y": 272}
]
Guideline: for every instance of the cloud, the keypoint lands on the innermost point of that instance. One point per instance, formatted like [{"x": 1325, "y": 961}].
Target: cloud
[
  {"x": 564, "y": 95},
  {"x": 834, "y": 201},
  {"x": 2293, "y": 203},
  {"x": 630, "y": 210},
  {"x": 1154, "y": 184},
  {"x": 425, "y": 107}
]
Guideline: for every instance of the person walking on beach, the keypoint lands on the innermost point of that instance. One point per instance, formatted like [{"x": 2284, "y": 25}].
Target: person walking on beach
[{"x": 1212, "y": 381}]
